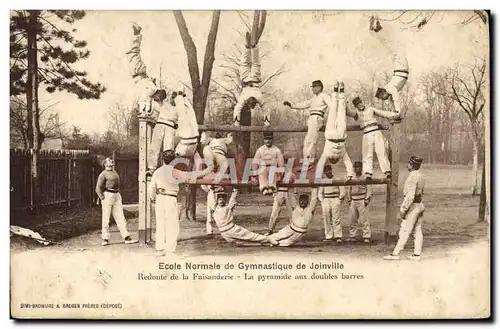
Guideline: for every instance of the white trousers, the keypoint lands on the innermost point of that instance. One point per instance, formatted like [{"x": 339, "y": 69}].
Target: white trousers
[
  {"x": 250, "y": 68},
  {"x": 358, "y": 215},
  {"x": 411, "y": 223},
  {"x": 112, "y": 204},
  {"x": 394, "y": 87},
  {"x": 145, "y": 87},
  {"x": 375, "y": 141},
  {"x": 287, "y": 237},
  {"x": 163, "y": 137},
  {"x": 241, "y": 234},
  {"x": 167, "y": 223},
  {"x": 336, "y": 124},
  {"x": 214, "y": 158},
  {"x": 331, "y": 217},
  {"x": 280, "y": 198},
  {"x": 314, "y": 123},
  {"x": 266, "y": 180}
]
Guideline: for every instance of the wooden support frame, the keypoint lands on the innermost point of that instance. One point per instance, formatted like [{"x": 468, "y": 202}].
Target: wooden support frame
[
  {"x": 274, "y": 129},
  {"x": 392, "y": 206},
  {"x": 335, "y": 182},
  {"x": 144, "y": 229}
]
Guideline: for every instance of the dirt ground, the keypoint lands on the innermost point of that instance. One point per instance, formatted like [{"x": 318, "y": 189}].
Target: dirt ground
[{"x": 450, "y": 226}]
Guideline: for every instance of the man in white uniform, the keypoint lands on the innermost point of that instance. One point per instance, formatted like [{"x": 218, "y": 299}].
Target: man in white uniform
[
  {"x": 401, "y": 69},
  {"x": 318, "y": 107},
  {"x": 163, "y": 190},
  {"x": 373, "y": 139},
  {"x": 164, "y": 131},
  {"x": 359, "y": 196},
  {"x": 301, "y": 217},
  {"x": 250, "y": 74},
  {"x": 272, "y": 157},
  {"x": 331, "y": 199},
  {"x": 336, "y": 133},
  {"x": 223, "y": 214},
  {"x": 108, "y": 190},
  {"x": 146, "y": 87},
  {"x": 215, "y": 150},
  {"x": 411, "y": 211}
]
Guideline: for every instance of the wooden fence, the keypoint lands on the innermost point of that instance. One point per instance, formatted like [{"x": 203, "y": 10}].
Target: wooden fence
[{"x": 67, "y": 178}]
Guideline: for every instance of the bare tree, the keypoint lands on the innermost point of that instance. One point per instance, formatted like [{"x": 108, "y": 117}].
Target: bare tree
[
  {"x": 199, "y": 87},
  {"x": 417, "y": 20},
  {"x": 51, "y": 125},
  {"x": 121, "y": 120},
  {"x": 466, "y": 87}
]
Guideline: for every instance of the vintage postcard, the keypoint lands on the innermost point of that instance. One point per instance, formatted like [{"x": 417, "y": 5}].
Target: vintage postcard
[{"x": 250, "y": 164}]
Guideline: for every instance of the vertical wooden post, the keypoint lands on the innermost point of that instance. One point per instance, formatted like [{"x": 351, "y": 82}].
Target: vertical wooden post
[
  {"x": 149, "y": 132},
  {"x": 69, "y": 179},
  {"x": 142, "y": 181},
  {"x": 392, "y": 209},
  {"x": 482, "y": 198}
]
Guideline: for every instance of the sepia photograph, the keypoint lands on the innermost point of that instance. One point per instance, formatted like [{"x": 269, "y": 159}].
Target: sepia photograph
[{"x": 250, "y": 164}]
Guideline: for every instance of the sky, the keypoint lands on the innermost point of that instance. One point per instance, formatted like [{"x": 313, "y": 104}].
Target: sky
[{"x": 312, "y": 45}]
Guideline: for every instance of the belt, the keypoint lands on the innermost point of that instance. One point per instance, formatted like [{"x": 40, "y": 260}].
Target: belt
[
  {"x": 320, "y": 114},
  {"x": 169, "y": 124},
  {"x": 231, "y": 225},
  {"x": 219, "y": 150},
  {"x": 335, "y": 195},
  {"x": 362, "y": 195},
  {"x": 162, "y": 191},
  {"x": 296, "y": 229},
  {"x": 282, "y": 189},
  {"x": 111, "y": 191},
  {"x": 417, "y": 198},
  {"x": 404, "y": 75},
  {"x": 184, "y": 139},
  {"x": 336, "y": 140},
  {"x": 373, "y": 124}
]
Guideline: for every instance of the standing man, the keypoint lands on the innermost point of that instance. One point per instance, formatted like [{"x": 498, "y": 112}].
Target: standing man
[
  {"x": 318, "y": 106},
  {"x": 301, "y": 217},
  {"x": 336, "y": 133},
  {"x": 411, "y": 211},
  {"x": 250, "y": 74},
  {"x": 359, "y": 197},
  {"x": 331, "y": 198},
  {"x": 163, "y": 190},
  {"x": 211, "y": 190},
  {"x": 223, "y": 213},
  {"x": 271, "y": 156},
  {"x": 373, "y": 139},
  {"x": 281, "y": 197},
  {"x": 108, "y": 190}
]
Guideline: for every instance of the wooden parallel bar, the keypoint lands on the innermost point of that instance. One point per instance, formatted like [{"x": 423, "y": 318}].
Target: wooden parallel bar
[
  {"x": 334, "y": 182},
  {"x": 273, "y": 129}
]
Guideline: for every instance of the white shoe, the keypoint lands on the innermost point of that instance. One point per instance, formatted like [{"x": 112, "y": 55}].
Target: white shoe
[
  {"x": 392, "y": 257},
  {"x": 131, "y": 241},
  {"x": 414, "y": 257}
]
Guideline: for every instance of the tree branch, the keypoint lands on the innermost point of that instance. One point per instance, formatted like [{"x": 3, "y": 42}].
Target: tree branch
[{"x": 190, "y": 47}]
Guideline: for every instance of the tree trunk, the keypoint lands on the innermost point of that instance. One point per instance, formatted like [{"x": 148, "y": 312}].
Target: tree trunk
[
  {"x": 475, "y": 158},
  {"x": 33, "y": 103}
]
